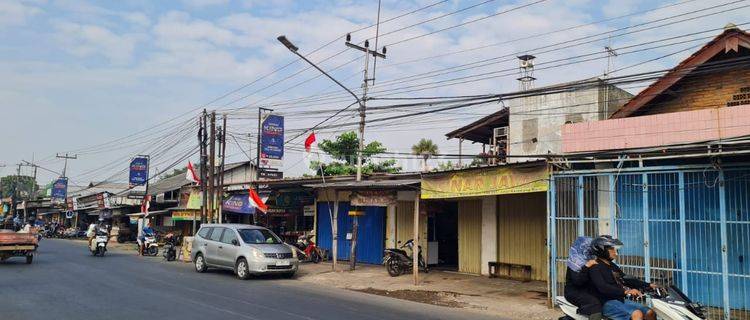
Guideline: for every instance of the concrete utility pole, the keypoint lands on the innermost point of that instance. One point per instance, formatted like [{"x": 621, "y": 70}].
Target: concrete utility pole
[
  {"x": 223, "y": 151},
  {"x": 66, "y": 157},
  {"x": 204, "y": 165},
  {"x": 212, "y": 169},
  {"x": 360, "y": 149}
]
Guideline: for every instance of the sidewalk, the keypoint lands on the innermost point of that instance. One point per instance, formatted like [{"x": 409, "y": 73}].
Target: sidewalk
[{"x": 507, "y": 298}]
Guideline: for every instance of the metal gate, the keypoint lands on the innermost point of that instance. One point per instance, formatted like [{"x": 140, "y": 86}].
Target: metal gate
[{"x": 685, "y": 226}]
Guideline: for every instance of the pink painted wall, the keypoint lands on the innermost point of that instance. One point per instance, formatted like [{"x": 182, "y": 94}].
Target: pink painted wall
[{"x": 657, "y": 130}]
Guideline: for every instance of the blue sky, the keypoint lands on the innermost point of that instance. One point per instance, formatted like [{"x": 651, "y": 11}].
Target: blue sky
[{"x": 75, "y": 74}]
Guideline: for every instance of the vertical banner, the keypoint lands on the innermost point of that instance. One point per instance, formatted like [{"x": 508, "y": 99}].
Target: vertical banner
[
  {"x": 60, "y": 190},
  {"x": 272, "y": 141},
  {"x": 138, "y": 178}
]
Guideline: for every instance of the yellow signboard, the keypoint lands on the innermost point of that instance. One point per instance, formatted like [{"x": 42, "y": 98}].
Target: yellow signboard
[
  {"x": 185, "y": 215},
  {"x": 486, "y": 182}
]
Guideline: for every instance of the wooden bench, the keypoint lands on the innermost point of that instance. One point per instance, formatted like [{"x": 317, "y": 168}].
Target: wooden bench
[{"x": 495, "y": 267}]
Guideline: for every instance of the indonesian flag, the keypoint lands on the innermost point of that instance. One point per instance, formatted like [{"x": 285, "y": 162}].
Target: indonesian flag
[
  {"x": 256, "y": 201},
  {"x": 191, "y": 175},
  {"x": 145, "y": 204},
  {"x": 309, "y": 142}
]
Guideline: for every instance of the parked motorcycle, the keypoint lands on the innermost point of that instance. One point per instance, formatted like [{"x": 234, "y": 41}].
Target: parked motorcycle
[
  {"x": 99, "y": 243},
  {"x": 307, "y": 250},
  {"x": 397, "y": 261},
  {"x": 668, "y": 303},
  {"x": 150, "y": 246},
  {"x": 170, "y": 247}
]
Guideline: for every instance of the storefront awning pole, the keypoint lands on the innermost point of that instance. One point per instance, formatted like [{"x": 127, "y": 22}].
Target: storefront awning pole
[{"x": 415, "y": 247}]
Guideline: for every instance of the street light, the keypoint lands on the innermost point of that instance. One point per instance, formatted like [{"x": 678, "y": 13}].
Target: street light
[
  {"x": 294, "y": 49},
  {"x": 288, "y": 44}
]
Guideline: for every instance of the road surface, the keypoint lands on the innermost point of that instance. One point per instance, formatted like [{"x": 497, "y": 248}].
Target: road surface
[{"x": 66, "y": 282}]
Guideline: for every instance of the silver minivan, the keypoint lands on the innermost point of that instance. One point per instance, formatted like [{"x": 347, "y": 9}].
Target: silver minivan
[{"x": 244, "y": 249}]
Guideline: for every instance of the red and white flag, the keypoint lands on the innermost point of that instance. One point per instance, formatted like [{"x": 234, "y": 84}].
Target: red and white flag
[
  {"x": 191, "y": 175},
  {"x": 310, "y": 142},
  {"x": 145, "y": 205},
  {"x": 256, "y": 201},
  {"x": 311, "y": 146}
]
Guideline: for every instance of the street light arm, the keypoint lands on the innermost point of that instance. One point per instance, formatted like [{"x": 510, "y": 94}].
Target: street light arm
[{"x": 292, "y": 48}]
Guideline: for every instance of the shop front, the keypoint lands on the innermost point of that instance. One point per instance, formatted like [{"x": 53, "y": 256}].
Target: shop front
[{"x": 488, "y": 215}]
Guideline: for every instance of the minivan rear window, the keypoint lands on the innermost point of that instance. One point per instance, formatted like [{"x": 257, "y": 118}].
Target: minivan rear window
[{"x": 205, "y": 232}]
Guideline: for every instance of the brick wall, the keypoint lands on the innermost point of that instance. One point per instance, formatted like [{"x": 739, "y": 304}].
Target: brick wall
[{"x": 704, "y": 91}]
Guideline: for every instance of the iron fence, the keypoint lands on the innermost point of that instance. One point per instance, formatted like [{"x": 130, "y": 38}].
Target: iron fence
[{"x": 685, "y": 226}]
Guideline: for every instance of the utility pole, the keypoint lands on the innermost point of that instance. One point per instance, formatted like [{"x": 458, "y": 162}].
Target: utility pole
[
  {"x": 362, "y": 113},
  {"x": 66, "y": 157},
  {"x": 223, "y": 151},
  {"x": 204, "y": 165},
  {"x": 212, "y": 169},
  {"x": 200, "y": 144}
]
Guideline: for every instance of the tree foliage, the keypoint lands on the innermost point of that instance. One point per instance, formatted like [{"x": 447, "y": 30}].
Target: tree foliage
[
  {"x": 26, "y": 185},
  {"x": 344, "y": 150},
  {"x": 425, "y": 147}
]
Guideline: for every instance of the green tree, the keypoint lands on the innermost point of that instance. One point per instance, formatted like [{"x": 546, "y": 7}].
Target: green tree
[
  {"x": 26, "y": 186},
  {"x": 425, "y": 148},
  {"x": 344, "y": 150}
]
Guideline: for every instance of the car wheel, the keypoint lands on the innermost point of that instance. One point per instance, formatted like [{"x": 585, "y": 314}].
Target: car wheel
[
  {"x": 200, "y": 263},
  {"x": 29, "y": 259},
  {"x": 242, "y": 269}
]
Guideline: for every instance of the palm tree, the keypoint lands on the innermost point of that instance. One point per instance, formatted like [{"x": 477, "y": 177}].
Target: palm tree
[{"x": 426, "y": 148}]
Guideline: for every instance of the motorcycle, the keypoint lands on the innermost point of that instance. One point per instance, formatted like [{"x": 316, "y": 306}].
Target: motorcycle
[
  {"x": 307, "y": 250},
  {"x": 668, "y": 303},
  {"x": 98, "y": 245},
  {"x": 170, "y": 247},
  {"x": 150, "y": 247},
  {"x": 397, "y": 261}
]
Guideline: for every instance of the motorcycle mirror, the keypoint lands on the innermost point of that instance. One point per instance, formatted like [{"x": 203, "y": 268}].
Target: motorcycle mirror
[{"x": 235, "y": 242}]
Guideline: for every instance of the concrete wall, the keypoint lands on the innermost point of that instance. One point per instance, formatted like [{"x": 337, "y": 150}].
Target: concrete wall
[
  {"x": 657, "y": 130},
  {"x": 542, "y": 117}
]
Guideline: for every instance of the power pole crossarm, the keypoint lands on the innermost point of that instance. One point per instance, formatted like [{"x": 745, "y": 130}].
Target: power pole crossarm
[{"x": 66, "y": 156}]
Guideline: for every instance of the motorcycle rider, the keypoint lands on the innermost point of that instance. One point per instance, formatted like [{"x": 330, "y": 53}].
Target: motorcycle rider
[
  {"x": 91, "y": 233},
  {"x": 611, "y": 286},
  {"x": 577, "y": 289}
]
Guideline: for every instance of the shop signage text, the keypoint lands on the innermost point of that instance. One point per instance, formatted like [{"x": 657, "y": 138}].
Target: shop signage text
[{"x": 491, "y": 181}]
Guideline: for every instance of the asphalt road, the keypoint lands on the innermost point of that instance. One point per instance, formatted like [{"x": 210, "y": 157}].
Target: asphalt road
[{"x": 66, "y": 282}]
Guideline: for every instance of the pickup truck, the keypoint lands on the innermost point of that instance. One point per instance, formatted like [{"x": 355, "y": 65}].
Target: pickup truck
[{"x": 18, "y": 244}]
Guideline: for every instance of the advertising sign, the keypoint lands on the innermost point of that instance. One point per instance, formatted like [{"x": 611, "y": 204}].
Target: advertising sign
[
  {"x": 185, "y": 215},
  {"x": 102, "y": 200},
  {"x": 238, "y": 203},
  {"x": 487, "y": 182},
  {"x": 265, "y": 173},
  {"x": 375, "y": 198},
  {"x": 60, "y": 190},
  {"x": 272, "y": 141},
  {"x": 72, "y": 203},
  {"x": 138, "y": 178}
]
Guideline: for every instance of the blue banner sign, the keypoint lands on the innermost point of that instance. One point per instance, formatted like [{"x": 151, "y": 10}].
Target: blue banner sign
[
  {"x": 238, "y": 203},
  {"x": 138, "y": 171},
  {"x": 60, "y": 190},
  {"x": 272, "y": 141}
]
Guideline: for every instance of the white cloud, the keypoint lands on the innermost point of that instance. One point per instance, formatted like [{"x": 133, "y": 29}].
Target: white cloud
[
  {"x": 204, "y": 3},
  {"x": 89, "y": 40},
  {"x": 16, "y": 13}
]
